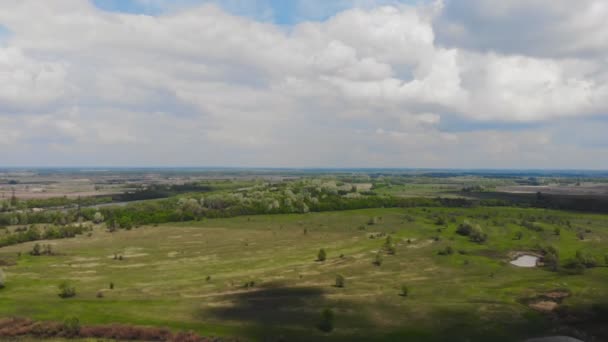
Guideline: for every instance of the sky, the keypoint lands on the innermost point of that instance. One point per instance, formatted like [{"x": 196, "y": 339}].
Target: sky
[{"x": 305, "y": 83}]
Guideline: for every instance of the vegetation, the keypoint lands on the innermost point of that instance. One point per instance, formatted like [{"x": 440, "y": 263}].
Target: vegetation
[
  {"x": 326, "y": 323},
  {"x": 258, "y": 239},
  {"x": 321, "y": 256},
  {"x": 66, "y": 290}
]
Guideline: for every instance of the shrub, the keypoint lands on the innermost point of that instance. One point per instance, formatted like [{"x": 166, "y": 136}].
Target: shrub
[
  {"x": 111, "y": 286},
  {"x": 98, "y": 217},
  {"x": 448, "y": 250},
  {"x": 340, "y": 280},
  {"x": 586, "y": 260},
  {"x": 474, "y": 232},
  {"x": 326, "y": 323},
  {"x": 378, "y": 259},
  {"x": 71, "y": 327},
  {"x": 519, "y": 235},
  {"x": 404, "y": 291},
  {"x": 35, "y": 250},
  {"x": 321, "y": 256},
  {"x": 551, "y": 257},
  {"x": 66, "y": 290},
  {"x": 2, "y": 279},
  {"x": 557, "y": 231}
]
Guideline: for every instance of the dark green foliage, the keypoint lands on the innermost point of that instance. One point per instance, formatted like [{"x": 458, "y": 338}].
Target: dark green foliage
[
  {"x": 519, "y": 235},
  {"x": 378, "y": 259},
  {"x": 404, "y": 291},
  {"x": 551, "y": 257},
  {"x": 474, "y": 232},
  {"x": 448, "y": 250},
  {"x": 2, "y": 279},
  {"x": 71, "y": 327},
  {"x": 326, "y": 323},
  {"x": 50, "y": 233},
  {"x": 66, "y": 290},
  {"x": 35, "y": 250},
  {"x": 321, "y": 256},
  {"x": 340, "y": 281}
]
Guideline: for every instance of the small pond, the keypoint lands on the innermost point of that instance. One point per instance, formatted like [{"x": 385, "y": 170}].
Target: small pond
[{"x": 525, "y": 260}]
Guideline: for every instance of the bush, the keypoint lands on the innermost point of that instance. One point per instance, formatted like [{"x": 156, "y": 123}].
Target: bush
[
  {"x": 585, "y": 259},
  {"x": 519, "y": 235},
  {"x": 340, "y": 280},
  {"x": 551, "y": 257},
  {"x": 321, "y": 256},
  {"x": 404, "y": 291},
  {"x": 35, "y": 250},
  {"x": 327, "y": 320},
  {"x": 71, "y": 327},
  {"x": 378, "y": 259},
  {"x": 448, "y": 250},
  {"x": 66, "y": 290},
  {"x": 2, "y": 279},
  {"x": 474, "y": 232}
]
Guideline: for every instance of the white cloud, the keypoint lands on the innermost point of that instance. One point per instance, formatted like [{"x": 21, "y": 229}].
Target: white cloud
[{"x": 198, "y": 86}]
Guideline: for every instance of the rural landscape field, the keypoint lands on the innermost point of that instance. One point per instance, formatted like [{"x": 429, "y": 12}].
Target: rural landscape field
[
  {"x": 304, "y": 170},
  {"x": 276, "y": 255}
]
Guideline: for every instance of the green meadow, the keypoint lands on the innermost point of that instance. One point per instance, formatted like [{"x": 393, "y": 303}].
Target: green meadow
[{"x": 258, "y": 277}]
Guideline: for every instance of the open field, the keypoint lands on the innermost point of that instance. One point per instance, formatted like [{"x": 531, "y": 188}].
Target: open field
[{"x": 193, "y": 276}]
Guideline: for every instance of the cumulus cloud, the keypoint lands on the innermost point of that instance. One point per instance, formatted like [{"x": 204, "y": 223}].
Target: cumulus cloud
[{"x": 369, "y": 86}]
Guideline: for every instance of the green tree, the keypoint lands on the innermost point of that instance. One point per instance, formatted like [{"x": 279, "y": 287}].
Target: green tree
[
  {"x": 378, "y": 259},
  {"x": 551, "y": 258},
  {"x": 71, "y": 327},
  {"x": 35, "y": 250},
  {"x": 326, "y": 323},
  {"x": 321, "y": 256},
  {"x": 98, "y": 217},
  {"x": 340, "y": 281},
  {"x": 66, "y": 290}
]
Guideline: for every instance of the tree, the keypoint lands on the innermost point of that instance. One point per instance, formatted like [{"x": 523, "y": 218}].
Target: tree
[
  {"x": 322, "y": 255},
  {"x": 378, "y": 259},
  {"x": 98, "y": 217},
  {"x": 404, "y": 291},
  {"x": 551, "y": 258},
  {"x": 326, "y": 323},
  {"x": 2, "y": 279},
  {"x": 35, "y": 250},
  {"x": 71, "y": 326},
  {"x": 557, "y": 231},
  {"x": 66, "y": 290},
  {"x": 340, "y": 281}
]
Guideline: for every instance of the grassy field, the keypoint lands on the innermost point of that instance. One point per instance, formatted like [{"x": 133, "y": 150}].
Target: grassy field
[{"x": 193, "y": 276}]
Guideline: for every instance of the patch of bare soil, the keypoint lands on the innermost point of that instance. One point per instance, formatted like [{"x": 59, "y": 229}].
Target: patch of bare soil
[
  {"x": 548, "y": 301},
  {"x": 544, "y": 306}
]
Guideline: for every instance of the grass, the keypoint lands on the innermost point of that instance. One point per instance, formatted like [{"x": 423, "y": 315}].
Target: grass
[{"x": 193, "y": 276}]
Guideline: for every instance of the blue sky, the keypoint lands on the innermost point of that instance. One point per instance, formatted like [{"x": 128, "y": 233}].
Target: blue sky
[{"x": 283, "y": 12}]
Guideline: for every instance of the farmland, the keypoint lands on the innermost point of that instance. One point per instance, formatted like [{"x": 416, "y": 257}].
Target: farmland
[{"x": 257, "y": 277}]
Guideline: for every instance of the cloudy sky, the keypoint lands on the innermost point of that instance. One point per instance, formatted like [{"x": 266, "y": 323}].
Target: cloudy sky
[{"x": 304, "y": 83}]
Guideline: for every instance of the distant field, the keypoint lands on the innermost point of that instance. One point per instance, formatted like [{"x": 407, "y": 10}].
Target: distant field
[{"x": 192, "y": 276}]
